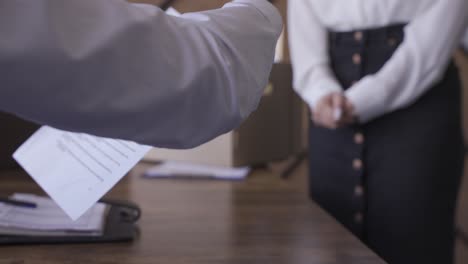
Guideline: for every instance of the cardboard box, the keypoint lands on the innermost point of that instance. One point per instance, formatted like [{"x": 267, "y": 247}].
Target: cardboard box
[{"x": 274, "y": 132}]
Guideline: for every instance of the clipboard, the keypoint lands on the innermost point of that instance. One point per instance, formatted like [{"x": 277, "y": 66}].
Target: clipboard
[{"x": 120, "y": 226}]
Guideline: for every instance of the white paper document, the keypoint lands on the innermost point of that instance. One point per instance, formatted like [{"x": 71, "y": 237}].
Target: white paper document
[
  {"x": 76, "y": 169},
  {"x": 175, "y": 169}
]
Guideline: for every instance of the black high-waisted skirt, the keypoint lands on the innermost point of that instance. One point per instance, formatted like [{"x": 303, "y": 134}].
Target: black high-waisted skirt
[{"x": 393, "y": 181}]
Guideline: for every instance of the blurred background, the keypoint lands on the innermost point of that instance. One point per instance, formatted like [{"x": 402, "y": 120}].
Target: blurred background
[{"x": 276, "y": 132}]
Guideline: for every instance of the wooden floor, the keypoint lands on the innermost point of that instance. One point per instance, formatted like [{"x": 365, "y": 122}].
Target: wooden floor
[{"x": 264, "y": 219}]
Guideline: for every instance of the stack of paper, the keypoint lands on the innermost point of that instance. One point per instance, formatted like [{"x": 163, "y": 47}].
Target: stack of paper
[
  {"x": 173, "y": 169},
  {"x": 47, "y": 219}
]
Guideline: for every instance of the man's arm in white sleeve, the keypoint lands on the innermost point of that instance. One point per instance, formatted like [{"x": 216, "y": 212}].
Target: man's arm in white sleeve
[{"x": 112, "y": 69}]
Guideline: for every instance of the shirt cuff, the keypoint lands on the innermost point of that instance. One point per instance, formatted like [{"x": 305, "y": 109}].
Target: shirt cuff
[
  {"x": 368, "y": 101},
  {"x": 267, "y": 9},
  {"x": 320, "y": 88}
]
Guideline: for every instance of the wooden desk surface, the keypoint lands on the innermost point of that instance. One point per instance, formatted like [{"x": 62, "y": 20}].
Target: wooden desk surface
[{"x": 261, "y": 220}]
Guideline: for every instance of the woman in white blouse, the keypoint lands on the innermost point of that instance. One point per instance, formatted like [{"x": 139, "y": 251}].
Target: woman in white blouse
[{"x": 385, "y": 142}]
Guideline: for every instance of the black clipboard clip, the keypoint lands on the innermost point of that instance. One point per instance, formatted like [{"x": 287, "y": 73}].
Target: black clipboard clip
[{"x": 129, "y": 211}]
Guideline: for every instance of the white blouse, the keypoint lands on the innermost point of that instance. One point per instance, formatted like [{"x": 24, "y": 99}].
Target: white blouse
[{"x": 434, "y": 30}]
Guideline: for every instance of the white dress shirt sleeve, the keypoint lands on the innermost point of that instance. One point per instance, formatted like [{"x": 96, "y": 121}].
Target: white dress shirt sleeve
[
  {"x": 308, "y": 38},
  {"x": 109, "y": 68},
  {"x": 417, "y": 64}
]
